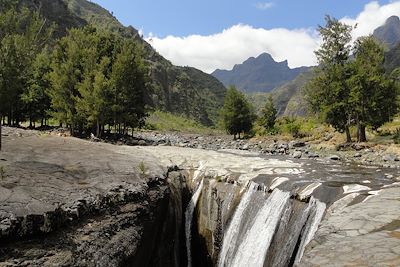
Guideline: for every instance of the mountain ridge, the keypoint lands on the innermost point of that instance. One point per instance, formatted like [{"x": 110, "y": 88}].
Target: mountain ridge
[{"x": 258, "y": 74}]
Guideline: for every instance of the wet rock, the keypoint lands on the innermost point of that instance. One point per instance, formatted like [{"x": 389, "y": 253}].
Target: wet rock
[{"x": 297, "y": 154}]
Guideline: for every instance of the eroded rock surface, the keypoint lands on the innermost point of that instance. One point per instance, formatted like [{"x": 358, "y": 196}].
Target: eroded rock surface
[
  {"x": 69, "y": 202},
  {"x": 364, "y": 234}
]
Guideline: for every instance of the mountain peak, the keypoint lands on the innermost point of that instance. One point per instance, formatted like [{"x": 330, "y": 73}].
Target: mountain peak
[
  {"x": 393, "y": 20},
  {"x": 258, "y": 74},
  {"x": 389, "y": 33}
]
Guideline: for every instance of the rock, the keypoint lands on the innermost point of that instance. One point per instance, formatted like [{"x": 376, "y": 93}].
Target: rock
[
  {"x": 357, "y": 155},
  {"x": 245, "y": 147},
  {"x": 390, "y": 157},
  {"x": 296, "y": 144},
  {"x": 297, "y": 154},
  {"x": 334, "y": 157},
  {"x": 312, "y": 155},
  {"x": 142, "y": 143}
]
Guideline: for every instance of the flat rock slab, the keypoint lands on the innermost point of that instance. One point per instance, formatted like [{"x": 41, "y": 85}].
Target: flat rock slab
[
  {"x": 364, "y": 234},
  {"x": 43, "y": 175}
]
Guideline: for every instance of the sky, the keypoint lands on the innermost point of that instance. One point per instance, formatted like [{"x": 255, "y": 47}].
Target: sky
[{"x": 217, "y": 34}]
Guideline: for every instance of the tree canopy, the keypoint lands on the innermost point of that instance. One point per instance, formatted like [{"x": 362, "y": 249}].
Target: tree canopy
[
  {"x": 88, "y": 79},
  {"x": 237, "y": 113},
  {"x": 268, "y": 114},
  {"x": 349, "y": 90}
]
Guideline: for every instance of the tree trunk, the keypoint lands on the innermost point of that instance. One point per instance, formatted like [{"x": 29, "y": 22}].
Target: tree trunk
[
  {"x": 362, "y": 137},
  {"x": 348, "y": 135},
  {"x": 1, "y": 116},
  {"x": 97, "y": 129}
]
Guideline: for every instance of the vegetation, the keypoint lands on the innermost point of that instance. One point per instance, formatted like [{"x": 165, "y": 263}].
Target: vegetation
[
  {"x": 87, "y": 80},
  {"x": 237, "y": 113},
  {"x": 372, "y": 94},
  {"x": 268, "y": 115},
  {"x": 349, "y": 92}
]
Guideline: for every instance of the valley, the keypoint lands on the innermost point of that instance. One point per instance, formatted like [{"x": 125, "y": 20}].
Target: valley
[{"x": 116, "y": 151}]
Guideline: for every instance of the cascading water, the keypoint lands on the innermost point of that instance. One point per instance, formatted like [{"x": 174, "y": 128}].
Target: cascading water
[
  {"x": 265, "y": 231},
  {"x": 318, "y": 210},
  {"x": 188, "y": 221},
  {"x": 253, "y": 248},
  {"x": 231, "y": 237}
]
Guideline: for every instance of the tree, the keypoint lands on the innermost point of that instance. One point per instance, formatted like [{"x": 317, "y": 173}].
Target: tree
[
  {"x": 268, "y": 115},
  {"x": 237, "y": 113},
  {"x": 373, "y": 95},
  {"x": 129, "y": 77},
  {"x": 35, "y": 97},
  {"x": 328, "y": 93},
  {"x": 23, "y": 34}
]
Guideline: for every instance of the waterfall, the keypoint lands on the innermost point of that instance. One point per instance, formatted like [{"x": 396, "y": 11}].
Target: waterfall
[
  {"x": 311, "y": 225},
  {"x": 253, "y": 248},
  {"x": 188, "y": 221},
  {"x": 231, "y": 234}
]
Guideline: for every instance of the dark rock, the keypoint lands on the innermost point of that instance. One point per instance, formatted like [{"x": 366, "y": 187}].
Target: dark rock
[
  {"x": 334, "y": 157},
  {"x": 296, "y": 144}
]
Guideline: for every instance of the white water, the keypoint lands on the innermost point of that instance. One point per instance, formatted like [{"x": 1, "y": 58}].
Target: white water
[
  {"x": 312, "y": 227},
  {"x": 231, "y": 234},
  {"x": 188, "y": 221},
  {"x": 253, "y": 248}
]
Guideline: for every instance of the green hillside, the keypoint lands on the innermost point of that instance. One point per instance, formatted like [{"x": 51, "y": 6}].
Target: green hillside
[{"x": 180, "y": 90}]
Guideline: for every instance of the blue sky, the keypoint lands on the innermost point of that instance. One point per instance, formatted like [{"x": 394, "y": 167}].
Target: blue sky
[
  {"x": 181, "y": 18},
  {"x": 211, "y": 34}
]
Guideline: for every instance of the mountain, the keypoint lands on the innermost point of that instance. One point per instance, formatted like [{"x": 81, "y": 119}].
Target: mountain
[
  {"x": 289, "y": 98},
  {"x": 392, "y": 59},
  {"x": 260, "y": 74},
  {"x": 180, "y": 90},
  {"x": 389, "y": 33}
]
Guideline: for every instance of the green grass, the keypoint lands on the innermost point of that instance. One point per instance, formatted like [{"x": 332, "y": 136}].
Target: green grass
[{"x": 165, "y": 121}]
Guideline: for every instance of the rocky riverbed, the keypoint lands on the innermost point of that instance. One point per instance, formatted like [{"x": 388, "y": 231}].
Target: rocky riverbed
[
  {"x": 71, "y": 202},
  {"x": 362, "y": 153}
]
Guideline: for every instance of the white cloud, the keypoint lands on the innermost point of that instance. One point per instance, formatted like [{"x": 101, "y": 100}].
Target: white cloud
[
  {"x": 372, "y": 17},
  {"x": 264, "y": 6},
  {"x": 234, "y": 45}
]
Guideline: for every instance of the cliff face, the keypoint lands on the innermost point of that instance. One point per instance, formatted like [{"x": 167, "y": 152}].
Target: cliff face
[{"x": 62, "y": 207}]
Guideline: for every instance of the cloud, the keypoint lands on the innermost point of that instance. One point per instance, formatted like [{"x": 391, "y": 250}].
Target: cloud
[
  {"x": 264, "y": 6},
  {"x": 372, "y": 17},
  {"x": 234, "y": 45}
]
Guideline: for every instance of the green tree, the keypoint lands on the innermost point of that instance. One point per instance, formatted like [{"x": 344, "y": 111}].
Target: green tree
[
  {"x": 35, "y": 97},
  {"x": 23, "y": 34},
  {"x": 268, "y": 115},
  {"x": 373, "y": 94},
  {"x": 67, "y": 72},
  {"x": 237, "y": 113},
  {"x": 328, "y": 93},
  {"x": 129, "y": 78}
]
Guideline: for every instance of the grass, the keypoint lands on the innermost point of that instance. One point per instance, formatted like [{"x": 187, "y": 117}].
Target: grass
[
  {"x": 142, "y": 168},
  {"x": 165, "y": 121}
]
